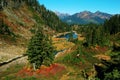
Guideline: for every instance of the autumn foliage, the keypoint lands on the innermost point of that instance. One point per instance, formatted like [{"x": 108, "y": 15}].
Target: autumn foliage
[{"x": 54, "y": 69}]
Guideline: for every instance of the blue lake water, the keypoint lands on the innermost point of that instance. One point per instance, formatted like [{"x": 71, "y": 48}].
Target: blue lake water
[{"x": 68, "y": 35}]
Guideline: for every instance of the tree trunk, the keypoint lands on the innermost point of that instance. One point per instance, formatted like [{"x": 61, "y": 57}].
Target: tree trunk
[{"x": 34, "y": 66}]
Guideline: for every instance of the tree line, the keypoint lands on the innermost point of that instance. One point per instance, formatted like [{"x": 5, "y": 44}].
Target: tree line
[
  {"x": 103, "y": 35},
  {"x": 99, "y": 34},
  {"x": 49, "y": 18}
]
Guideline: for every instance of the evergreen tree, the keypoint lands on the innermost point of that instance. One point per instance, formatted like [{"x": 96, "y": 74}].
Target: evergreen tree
[
  {"x": 40, "y": 50},
  {"x": 112, "y": 25},
  {"x": 95, "y": 35}
]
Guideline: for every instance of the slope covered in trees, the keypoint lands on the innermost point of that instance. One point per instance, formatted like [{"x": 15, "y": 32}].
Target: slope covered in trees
[
  {"x": 105, "y": 35},
  {"x": 37, "y": 14},
  {"x": 99, "y": 37},
  {"x": 112, "y": 26},
  {"x": 18, "y": 22}
]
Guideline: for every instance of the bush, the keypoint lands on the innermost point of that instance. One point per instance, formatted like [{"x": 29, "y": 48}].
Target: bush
[
  {"x": 114, "y": 75},
  {"x": 6, "y": 32}
]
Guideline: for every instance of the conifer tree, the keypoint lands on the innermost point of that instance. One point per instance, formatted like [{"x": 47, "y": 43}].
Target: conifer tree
[{"x": 40, "y": 50}]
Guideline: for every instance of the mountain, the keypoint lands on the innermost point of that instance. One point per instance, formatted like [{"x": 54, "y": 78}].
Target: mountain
[
  {"x": 86, "y": 17},
  {"x": 61, "y": 15}
]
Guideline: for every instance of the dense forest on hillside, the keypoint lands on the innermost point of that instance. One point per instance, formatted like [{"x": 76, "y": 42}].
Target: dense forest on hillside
[
  {"x": 49, "y": 17},
  {"x": 46, "y": 17},
  {"x": 107, "y": 35}
]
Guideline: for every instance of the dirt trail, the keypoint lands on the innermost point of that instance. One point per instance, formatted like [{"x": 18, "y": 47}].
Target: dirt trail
[{"x": 22, "y": 60}]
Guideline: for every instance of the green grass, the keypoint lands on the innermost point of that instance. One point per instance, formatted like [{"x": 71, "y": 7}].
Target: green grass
[
  {"x": 9, "y": 74},
  {"x": 73, "y": 59},
  {"x": 83, "y": 62}
]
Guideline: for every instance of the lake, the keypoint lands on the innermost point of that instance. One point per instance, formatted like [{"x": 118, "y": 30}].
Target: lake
[{"x": 68, "y": 35}]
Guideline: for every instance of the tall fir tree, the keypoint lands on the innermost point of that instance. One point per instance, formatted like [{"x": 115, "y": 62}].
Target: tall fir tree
[{"x": 40, "y": 50}]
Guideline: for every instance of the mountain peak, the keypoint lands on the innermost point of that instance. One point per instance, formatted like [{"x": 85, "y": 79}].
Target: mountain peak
[
  {"x": 98, "y": 12},
  {"x": 58, "y": 13},
  {"x": 61, "y": 15},
  {"x": 85, "y": 11},
  {"x": 85, "y": 17},
  {"x": 83, "y": 14}
]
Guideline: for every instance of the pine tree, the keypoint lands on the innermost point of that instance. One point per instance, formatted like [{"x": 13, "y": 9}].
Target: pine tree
[
  {"x": 112, "y": 25},
  {"x": 40, "y": 50}
]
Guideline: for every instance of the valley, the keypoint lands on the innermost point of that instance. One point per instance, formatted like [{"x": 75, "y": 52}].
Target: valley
[{"x": 39, "y": 44}]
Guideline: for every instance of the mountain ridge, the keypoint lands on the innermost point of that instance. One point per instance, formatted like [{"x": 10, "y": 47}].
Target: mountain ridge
[
  {"x": 61, "y": 15},
  {"x": 85, "y": 17}
]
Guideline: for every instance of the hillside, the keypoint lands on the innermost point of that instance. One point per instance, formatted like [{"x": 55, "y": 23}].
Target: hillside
[
  {"x": 18, "y": 22},
  {"x": 85, "y": 17}
]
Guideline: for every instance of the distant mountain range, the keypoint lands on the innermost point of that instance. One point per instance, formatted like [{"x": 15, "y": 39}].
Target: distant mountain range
[
  {"x": 62, "y": 15},
  {"x": 84, "y": 17}
]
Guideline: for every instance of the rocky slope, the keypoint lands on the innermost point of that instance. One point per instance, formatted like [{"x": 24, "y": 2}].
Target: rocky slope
[{"x": 18, "y": 22}]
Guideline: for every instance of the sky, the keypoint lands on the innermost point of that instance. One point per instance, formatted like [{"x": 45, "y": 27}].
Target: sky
[{"x": 76, "y": 6}]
